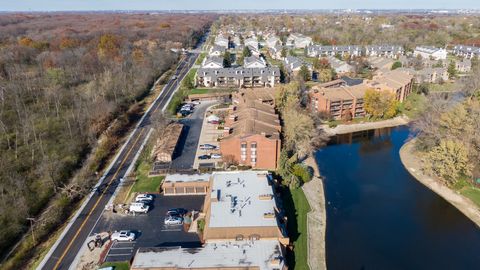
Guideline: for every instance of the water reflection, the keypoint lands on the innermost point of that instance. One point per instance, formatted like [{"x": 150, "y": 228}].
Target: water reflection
[{"x": 379, "y": 217}]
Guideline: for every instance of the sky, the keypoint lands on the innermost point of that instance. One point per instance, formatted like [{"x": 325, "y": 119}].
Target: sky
[{"x": 63, "y": 5}]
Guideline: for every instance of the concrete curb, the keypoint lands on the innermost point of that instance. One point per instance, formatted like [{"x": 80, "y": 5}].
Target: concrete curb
[{"x": 134, "y": 160}]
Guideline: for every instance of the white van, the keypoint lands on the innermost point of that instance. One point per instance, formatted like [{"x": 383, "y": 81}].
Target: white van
[{"x": 138, "y": 207}]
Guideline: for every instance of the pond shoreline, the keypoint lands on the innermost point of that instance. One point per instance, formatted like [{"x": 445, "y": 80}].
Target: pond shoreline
[
  {"x": 350, "y": 128},
  {"x": 412, "y": 163},
  {"x": 316, "y": 218}
]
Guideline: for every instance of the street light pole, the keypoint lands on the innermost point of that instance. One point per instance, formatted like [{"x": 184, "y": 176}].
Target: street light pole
[{"x": 32, "y": 220}]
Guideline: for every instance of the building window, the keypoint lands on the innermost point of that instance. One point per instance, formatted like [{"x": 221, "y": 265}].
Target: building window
[{"x": 243, "y": 151}]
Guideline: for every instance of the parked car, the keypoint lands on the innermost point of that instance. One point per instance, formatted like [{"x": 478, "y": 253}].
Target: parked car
[
  {"x": 214, "y": 122},
  {"x": 185, "y": 113},
  {"x": 123, "y": 236},
  {"x": 138, "y": 207},
  {"x": 216, "y": 156},
  {"x": 208, "y": 147},
  {"x": 176, "y": 212},
  {"x": 145, "y": 202},
  {"x": 174, "y": 77},
  {"x": 172, "y": 220},
  {"x": 196, "y": 102},
  {"x": 144, "y": 197},
  {"x": 203, "y": 157}
]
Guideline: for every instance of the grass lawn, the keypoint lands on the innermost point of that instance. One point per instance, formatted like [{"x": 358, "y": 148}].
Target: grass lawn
[
  {"x": 413, "y": 106},
  {"x": 273, "y": 62},
  {"x": 145, "y": 183},
  {"x": 200, "y": 58},
  {"x": 117, "y": 265},
  {"x": 472, "y": 193},
  {"x": 296, "y": 207},
  {"x": 208, "y": 90},
  {"x": 435, "y": 87},
  {"x": 299, "y": 52},
  {"x": 465, "y": 188}
]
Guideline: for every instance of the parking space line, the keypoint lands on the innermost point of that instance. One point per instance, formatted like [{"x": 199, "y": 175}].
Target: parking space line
[{"x": 171, "y": 230}]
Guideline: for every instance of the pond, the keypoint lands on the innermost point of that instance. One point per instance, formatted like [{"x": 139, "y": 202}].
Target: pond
[{"x": 380, "y": 217}]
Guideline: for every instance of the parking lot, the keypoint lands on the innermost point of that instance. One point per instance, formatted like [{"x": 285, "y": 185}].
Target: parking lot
[
  {"x": 188, "y": 142},
  {"x": 209, "y": 135},
  {"x": 150, "y": 228}
]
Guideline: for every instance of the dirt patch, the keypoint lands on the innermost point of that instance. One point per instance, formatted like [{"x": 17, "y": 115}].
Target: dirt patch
[{"x": 91, "y": 258}]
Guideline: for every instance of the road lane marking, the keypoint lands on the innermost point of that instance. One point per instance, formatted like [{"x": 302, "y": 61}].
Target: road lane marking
[
  {"x": 116, "y": 173},
  {"x": 97, "y": 202},
  {"x": 175, "y": 84},
  {"x": 171, "y": 230}
]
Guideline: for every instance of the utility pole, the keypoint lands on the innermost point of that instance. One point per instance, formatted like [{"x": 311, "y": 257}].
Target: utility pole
[{"x": 32, "y": 220}]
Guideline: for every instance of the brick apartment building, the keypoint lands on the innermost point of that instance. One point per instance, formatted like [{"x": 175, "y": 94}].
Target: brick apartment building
[
  {"x": 252, "y": 130},
  {"x": 341, "y": 100},
  {"x": 398, "y": 82}
]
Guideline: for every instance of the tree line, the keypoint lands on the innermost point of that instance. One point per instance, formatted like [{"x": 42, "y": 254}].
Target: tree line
[
  {"x": 70, "y": 87},
  {"x": 448, "y": 134}
]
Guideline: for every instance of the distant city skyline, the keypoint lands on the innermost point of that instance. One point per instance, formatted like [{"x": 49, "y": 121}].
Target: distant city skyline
[{"x": 91, "y": 5}]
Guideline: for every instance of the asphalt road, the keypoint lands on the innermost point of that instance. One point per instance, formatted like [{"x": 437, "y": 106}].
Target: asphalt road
[{"x": 64, "y": 254}]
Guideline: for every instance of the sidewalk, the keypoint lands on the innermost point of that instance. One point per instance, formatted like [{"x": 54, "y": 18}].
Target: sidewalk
[
  {"x": 345, "y": 128},
  {"x": 316, "y": 219},
  {"x": 414, "y": 165}
]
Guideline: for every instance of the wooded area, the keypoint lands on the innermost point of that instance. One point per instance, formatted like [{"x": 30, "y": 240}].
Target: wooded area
[
  {"x": 70, "y": 86},
  {"x": 357, "y": 29},
  {"x": 449, "y": 134}
]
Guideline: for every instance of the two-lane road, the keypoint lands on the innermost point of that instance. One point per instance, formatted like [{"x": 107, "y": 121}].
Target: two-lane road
[{"x": 62, "y": 255}]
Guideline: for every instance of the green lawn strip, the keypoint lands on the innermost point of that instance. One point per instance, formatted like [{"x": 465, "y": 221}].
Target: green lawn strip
[
  {"x": 297, "y": 207},
  {"x": 117, "y": 265},
  {"x": 200, "y": 58},
  {"x": 145, "y": 183},
  {"x": 208, "y": 91},
  {"x": 435, "y": 87},
  {"x": 472, "y": 193},
  {"x": 464, "y": 187}
]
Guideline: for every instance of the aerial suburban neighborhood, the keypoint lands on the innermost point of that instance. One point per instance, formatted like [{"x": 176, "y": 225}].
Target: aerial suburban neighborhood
[{"x": 241, "y": 137}]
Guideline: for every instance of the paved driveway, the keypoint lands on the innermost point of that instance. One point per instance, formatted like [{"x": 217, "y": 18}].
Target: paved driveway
[
  {"x": 188, "y": 142},
  {"x": 150, "y": 228}
]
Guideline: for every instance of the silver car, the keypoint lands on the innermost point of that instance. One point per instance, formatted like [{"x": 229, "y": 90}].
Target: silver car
[
  {"x": 172, "y": 220},
  {"x": 123, "y": 236}
]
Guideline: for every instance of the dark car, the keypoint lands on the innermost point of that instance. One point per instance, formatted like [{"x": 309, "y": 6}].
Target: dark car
[
  {"x": 208, "y": 147},
  {"x": 204, "y": 157}
]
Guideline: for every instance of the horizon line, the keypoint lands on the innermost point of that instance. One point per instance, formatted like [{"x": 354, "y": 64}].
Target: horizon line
[{"x": 246, "y": 9}]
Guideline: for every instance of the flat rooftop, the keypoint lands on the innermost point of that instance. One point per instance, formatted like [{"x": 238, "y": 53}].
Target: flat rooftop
[
  {"x": 241, "y": 199},
  {"x": 264, "y": 254},
  {"x": 176, "y": 178}
]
